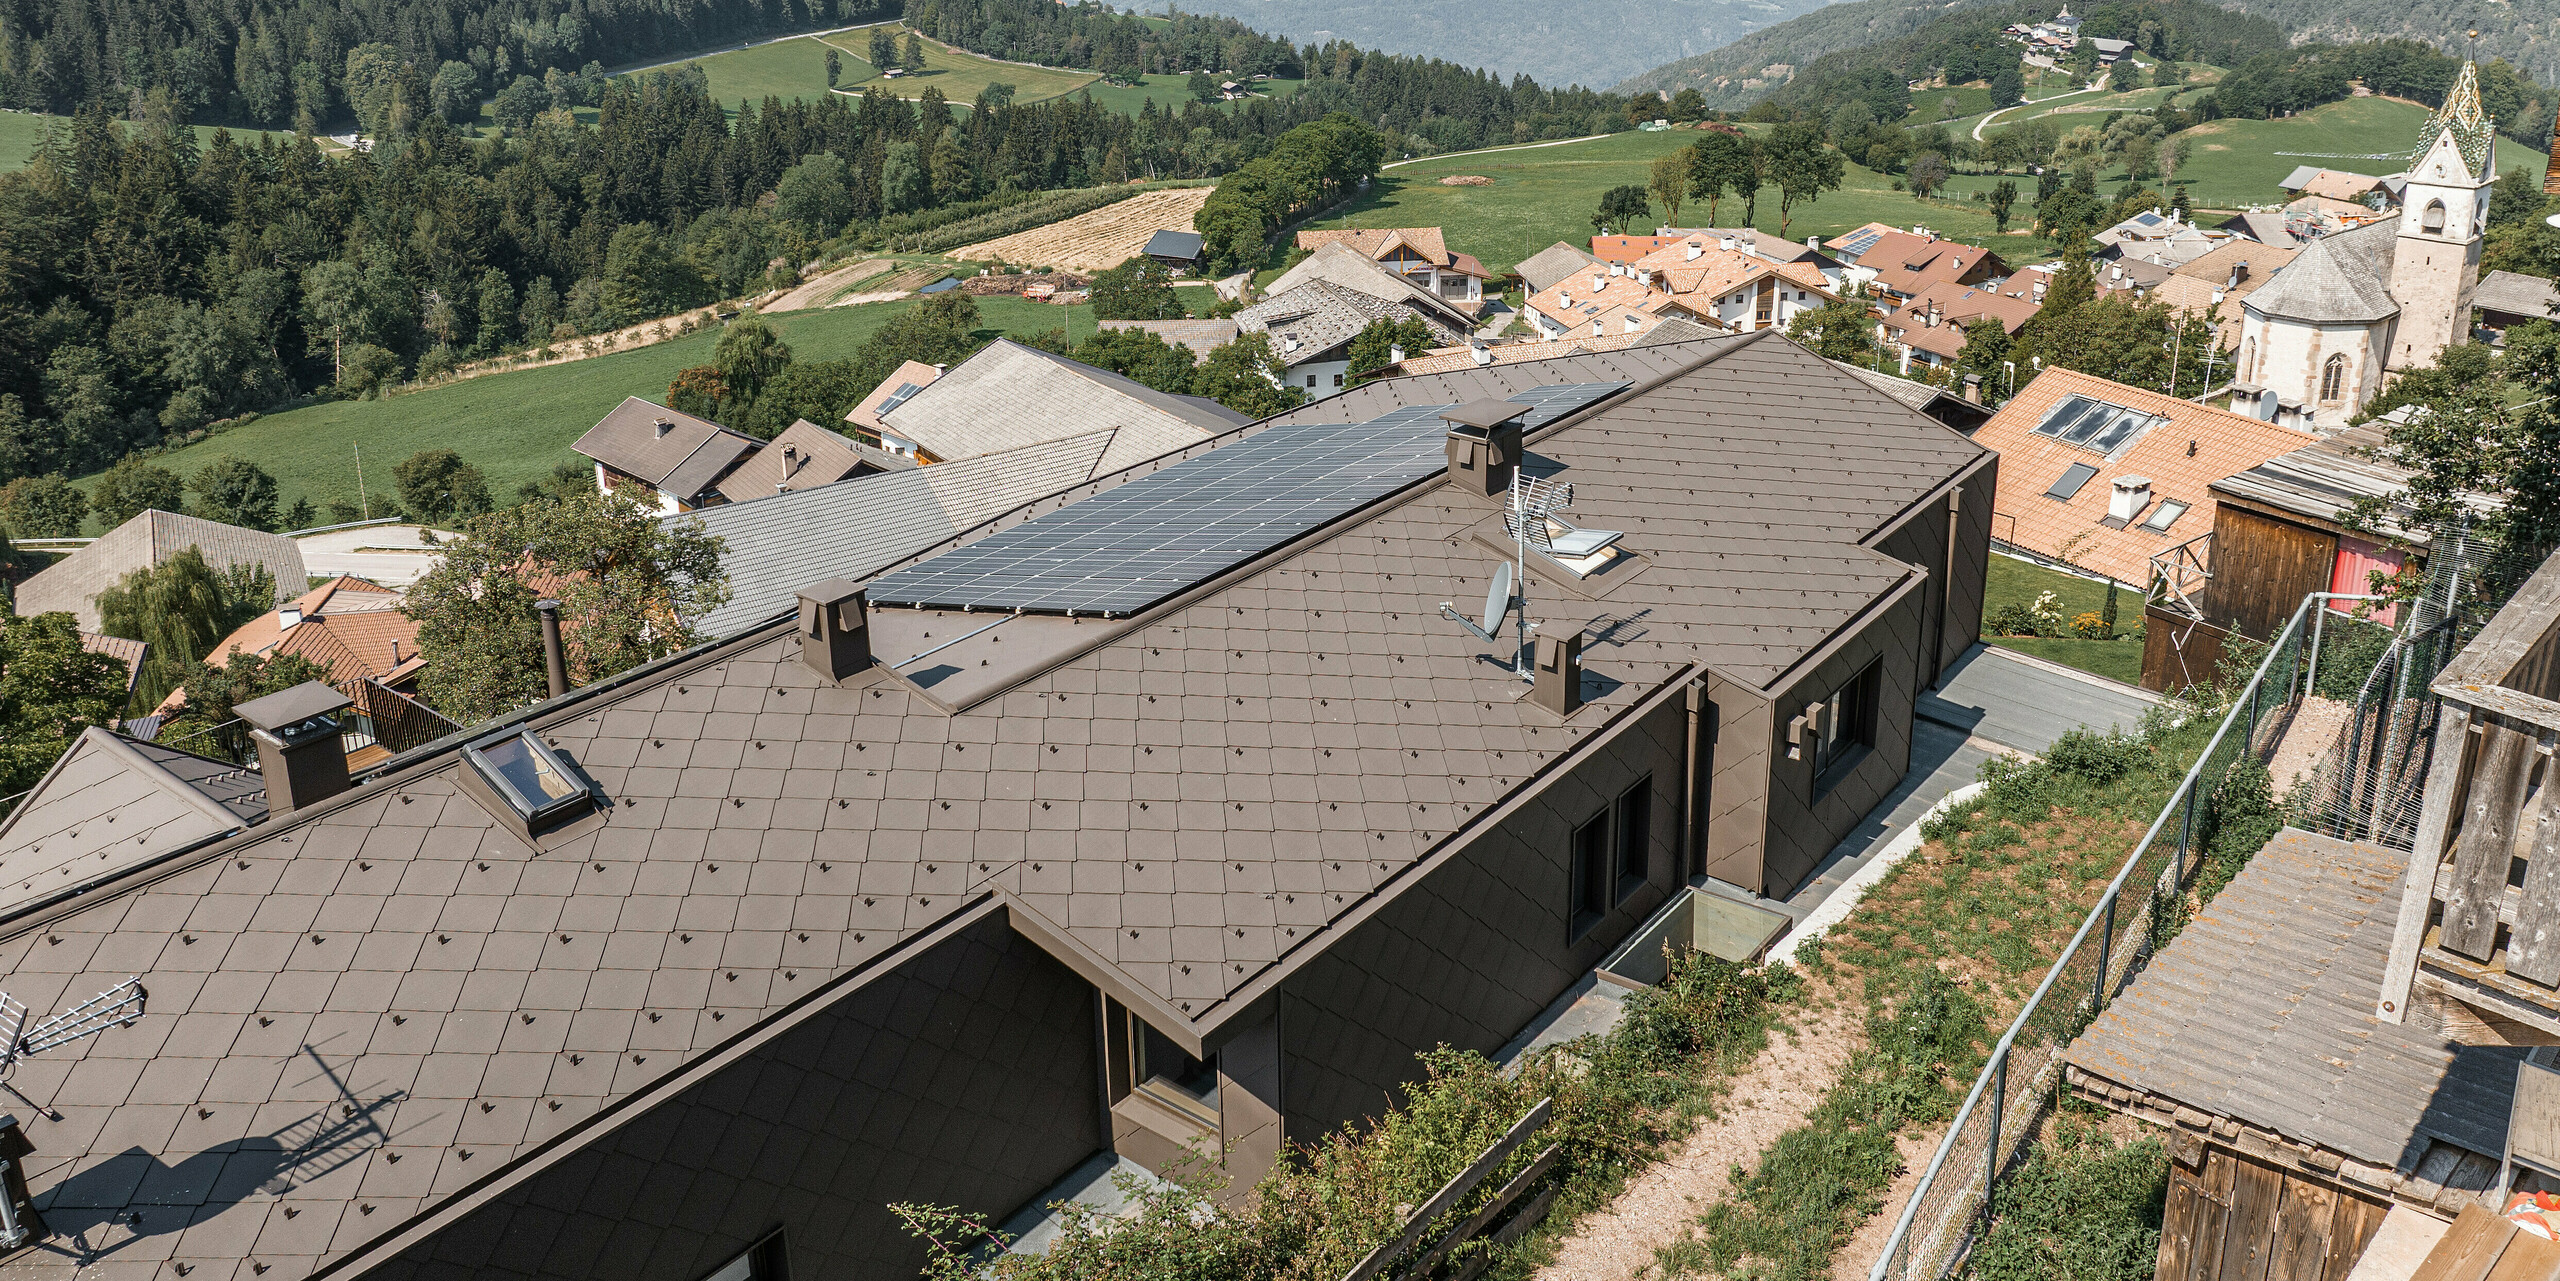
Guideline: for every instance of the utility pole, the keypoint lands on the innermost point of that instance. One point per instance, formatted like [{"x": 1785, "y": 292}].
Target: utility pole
[{"x": 363, "y": 504}]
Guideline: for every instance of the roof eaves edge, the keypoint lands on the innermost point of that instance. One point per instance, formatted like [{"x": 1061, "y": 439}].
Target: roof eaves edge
[{"x": 572, "y": 1140}]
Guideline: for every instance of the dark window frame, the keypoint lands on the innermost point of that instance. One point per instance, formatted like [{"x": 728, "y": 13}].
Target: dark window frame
[
  {"x": 1587, "y": 865},
  {"x": 1848, "y": 730},
  {"x": 766, "y": 1260},
  {"x": 1631, "y": 843},
  {"x": 1608, "y": 857}
]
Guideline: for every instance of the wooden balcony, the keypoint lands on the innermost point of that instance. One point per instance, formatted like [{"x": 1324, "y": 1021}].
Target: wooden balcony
[{"x": 2479, "y": 917}]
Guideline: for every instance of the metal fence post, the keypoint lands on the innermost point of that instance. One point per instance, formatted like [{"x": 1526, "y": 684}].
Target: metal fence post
[
  {"x": 2187, "y": 824},
  {"x": 2311, "y": 677},
  {"x": 1991, "y": 1159},
  {"x": 2106, "y": 953}
]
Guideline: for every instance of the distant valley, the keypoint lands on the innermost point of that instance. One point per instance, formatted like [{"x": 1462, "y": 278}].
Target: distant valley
[{"x": 1595, "y": 43}]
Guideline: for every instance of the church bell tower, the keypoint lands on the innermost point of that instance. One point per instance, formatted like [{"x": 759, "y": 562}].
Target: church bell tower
[{"x": 2435, "y": 264}]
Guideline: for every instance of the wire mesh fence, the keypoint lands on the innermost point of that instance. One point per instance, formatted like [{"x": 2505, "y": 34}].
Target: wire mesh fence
[{"x": 1959, "y": 1192}]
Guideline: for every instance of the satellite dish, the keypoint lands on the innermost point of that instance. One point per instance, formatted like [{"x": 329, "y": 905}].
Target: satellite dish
[
  {"x": 2267, "y": 405},
  {"x": 1497, "y": 600}
]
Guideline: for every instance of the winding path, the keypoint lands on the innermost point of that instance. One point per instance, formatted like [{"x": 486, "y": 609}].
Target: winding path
[{"x": 2099, "y": 87}]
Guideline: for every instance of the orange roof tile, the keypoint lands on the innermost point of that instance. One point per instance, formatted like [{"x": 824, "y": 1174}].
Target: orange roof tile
[
  {"x": 1628, "y": 248},
  {"x": 1381, "y": 243},
  {"x": 1907, "y": 264},
  {"x": 2223, "y": 444},
  {"x": 348, "y": 625}
]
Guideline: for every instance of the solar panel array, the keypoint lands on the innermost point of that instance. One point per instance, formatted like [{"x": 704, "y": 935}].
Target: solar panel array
[
  {"x": 1127, "y": 548},
  {"x": 896, "y": 398},
  {"x": 1859, "y": 243},
  {"x": 2094, "y": 424}
]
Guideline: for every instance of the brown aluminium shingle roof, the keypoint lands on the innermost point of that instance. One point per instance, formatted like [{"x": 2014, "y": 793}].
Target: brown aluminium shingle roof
[{"x": 1190, "y": 806}]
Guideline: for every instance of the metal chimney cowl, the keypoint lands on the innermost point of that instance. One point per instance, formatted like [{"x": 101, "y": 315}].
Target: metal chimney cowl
[
  {"x": 835, "y": 632},
  {"x": 301, "y": 757}
]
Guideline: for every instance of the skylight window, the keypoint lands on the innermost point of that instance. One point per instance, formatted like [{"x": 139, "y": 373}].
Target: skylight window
[
  {"x": 2164, "y": 515},
  {"x": 2094, "y": 424},
  {"x": 2069, "y": 483},
  {"x": 905, "y": 392},
  {"x": 531, "y": 778}
]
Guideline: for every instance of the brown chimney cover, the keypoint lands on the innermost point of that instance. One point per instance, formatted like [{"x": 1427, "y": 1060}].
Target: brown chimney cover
[
  {"x": 288, "y": 714},
  {"x": 300, "y": 756},
  {"x": 1486, "y": 413},
  {"x": 835, "y": 632}
]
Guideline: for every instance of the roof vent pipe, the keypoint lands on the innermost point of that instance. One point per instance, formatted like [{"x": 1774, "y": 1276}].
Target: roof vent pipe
[
  {"x": 555, "y": 661},
  {"x": 663, "y": 427},
  {"x": 300, "y": 755}
]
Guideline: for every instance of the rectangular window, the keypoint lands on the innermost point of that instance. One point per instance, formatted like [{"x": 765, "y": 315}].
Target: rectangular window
[
  {"x": 763, "y": 1261},
  {"x": 2070, "y": 481},
  {"x": 1311, "y": 380},
  {"x": 1848, "y": 727},
  {"x": 1635, "y": 837},
  {"x": 1337, "y": 380},
  {"x": 529, "y": 776},
  {"x": 2164, "y": 515},
  {"x": 1590, "y": 855}
]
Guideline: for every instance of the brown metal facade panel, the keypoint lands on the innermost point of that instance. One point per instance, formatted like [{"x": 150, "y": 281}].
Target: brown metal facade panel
[
  {"x": 1806, "y": 815},
  {"x": 966, "y": 1076},
  {"x": 2262, "y": 568},
  {"x": 1473, "y": 951}
]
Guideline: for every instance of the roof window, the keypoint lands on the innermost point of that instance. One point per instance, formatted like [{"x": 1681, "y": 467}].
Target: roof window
[
  {"x": 2164, "y": 515},
  {"x": 2069, "y": 483},
  {"x": 2095, "y": 424},
  {"x": 535, "y": 783}
]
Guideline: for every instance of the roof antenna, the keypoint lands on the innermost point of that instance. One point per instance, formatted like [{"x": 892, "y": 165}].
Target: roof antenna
[
  {"x": 118, "y": 1006},
  {"x": 1532, "y": 501}
]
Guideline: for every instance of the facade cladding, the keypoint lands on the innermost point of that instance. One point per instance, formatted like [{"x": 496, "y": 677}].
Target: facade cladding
[{"x": 1209, "y": 875}]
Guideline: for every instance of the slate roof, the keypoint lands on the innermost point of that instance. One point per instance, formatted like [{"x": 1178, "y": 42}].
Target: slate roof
[
  {"x": 804, "y": 456},
  {"x": 778, "y": 544},
  {"x": 2336, "y": 279},
  {"x": 1189, "y": 805},
  {"x": 111, "y": 804},
  {"x": 1321, "y": 316},
  {"x": 1184, "y": 245},
  {"x": 1544, "y": 268},
  {"x": 685, "y": 462},
  {"x": 72, "y": 584},
  {"x": 2072, "y": 530},
  {"x": 1008, "y": 396},
  {"x": 1201, "y": 336},
  {"x": 2516, "y": 295},
  {"x": 2262, "y": 1010},
  {"x": 2263, "y": 226}
]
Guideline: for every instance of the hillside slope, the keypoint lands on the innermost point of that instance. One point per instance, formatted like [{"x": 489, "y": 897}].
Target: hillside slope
[
  {"x": 1732, "y": 76},
  {"x": 1594, "y": 43}
]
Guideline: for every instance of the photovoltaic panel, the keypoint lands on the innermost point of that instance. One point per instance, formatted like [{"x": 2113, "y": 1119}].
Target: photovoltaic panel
[{"x": 1126, "y": 548}]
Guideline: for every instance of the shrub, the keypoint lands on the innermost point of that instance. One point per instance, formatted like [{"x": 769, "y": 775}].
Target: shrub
[
  {"x": 2013, "y": 619},
  {"x": 2348, "y": 650},
  {"x": 2082, "y": 1208},
  {"x": 2096, "y": 757},
  {"x": 2239, "y": 818},
  {"x": 2048, "y": 614},
  {"x": 2089, "y": 626}
]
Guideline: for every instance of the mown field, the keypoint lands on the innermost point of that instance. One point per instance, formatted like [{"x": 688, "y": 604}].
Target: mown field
[
  {"x": 22, "y": 131},
  {"x": 2235, "y": 162},
  {"x": 517, "y": 426}
]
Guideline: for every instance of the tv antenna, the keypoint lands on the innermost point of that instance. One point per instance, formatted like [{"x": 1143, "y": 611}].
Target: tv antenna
[
  {"x": 1530, "y": 503},
  {"x": 118, "y": 1006}
]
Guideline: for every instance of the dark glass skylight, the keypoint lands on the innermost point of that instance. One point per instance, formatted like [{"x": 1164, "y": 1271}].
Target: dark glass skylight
[
  {"x": 2094, "y": 424},
  {"x": 2069, "y": 483}
]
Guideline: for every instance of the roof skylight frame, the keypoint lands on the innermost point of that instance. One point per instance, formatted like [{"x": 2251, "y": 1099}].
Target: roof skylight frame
[
  {"x": 487, "y": 759},
  {"x": 2171, "y": 507},
  {"x": 2099, "y": 426},
  {"x": 2069, "y": 484}
]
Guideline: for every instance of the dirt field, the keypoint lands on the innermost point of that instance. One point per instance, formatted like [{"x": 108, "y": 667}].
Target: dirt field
[{"x": 1104, "y": 238}]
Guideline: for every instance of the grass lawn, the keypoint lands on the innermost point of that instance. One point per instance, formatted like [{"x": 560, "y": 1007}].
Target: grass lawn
[
  {"x": 2013, "y": 581},
  {"x": 1173, "y": 91},
  {"x": 2234, "y": 162},
  {"x": 21, "y": 131},
  {"x": 517, "y": 426},
  {"x": 797, "y": 68},
  {"x": 1928, "y": 104}
]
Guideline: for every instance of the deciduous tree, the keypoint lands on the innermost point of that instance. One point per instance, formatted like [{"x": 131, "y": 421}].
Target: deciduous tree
[
  {"x": 436, "y": 486},
  {"x": 1139, "y": 289},
  {"x": 1245, "y": 376},
  {"x": 42, "y": 507},
  {"x": 1719, "y": 165},
  {"x": 1802, "y": 166},
  {"x": 132, "y": 487},
  {"x": 1670, "y": 183},
  {"x": 1625, "y": 208},
  {"x": 235, "y": 491},
  {"x": 50, "y": 690}
]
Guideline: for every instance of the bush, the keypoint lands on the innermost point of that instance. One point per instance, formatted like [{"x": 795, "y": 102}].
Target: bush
[
  {"x": 2348, "y": 650},
  {"x": 2013, "y": 619},
  {"x": 2240, "y": 817},
  {"x": 2096, "y": 757},
  {"x": 2082, "y": 1208},
  {"x": 2089, "y": 626}
]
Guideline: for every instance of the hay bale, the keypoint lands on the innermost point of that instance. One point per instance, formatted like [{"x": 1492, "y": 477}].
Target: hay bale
[{"x": 1466, "y": 180}]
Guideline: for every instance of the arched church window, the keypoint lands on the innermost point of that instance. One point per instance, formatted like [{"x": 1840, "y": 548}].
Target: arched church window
[
  {"x": 2433, "y": 219},
  {"x": 2333, "y": 377}
]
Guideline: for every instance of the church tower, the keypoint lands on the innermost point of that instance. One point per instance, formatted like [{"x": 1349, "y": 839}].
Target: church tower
[{"x": 2435, "y": 263}]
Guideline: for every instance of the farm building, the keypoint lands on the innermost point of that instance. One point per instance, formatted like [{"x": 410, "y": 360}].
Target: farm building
[
  {"x": 1007, "y": 396},
  {"x": 1179, "y": 250},
  {"x": 72, "y": 585}
]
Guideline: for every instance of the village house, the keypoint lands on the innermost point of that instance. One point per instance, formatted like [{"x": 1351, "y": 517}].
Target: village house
[
  {"x": 664, "y": 457},
  {"x": 1715, "y": 283},
  {"x": 1037, "y": 846},
  {"x": 1897, "y": 265},
  {"x": 73, "y": 584},
  {"x": 1929, "y": 329},
  {"x": 1007, "y": 396},
  {"x": 2159, "y": 238},
  {"x": 1418, "y": 254}
]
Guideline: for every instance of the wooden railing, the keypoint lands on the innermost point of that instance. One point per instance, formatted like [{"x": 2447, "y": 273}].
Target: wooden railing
[
  {"x": 2469, "y": 929},
  {"x": 2181, "y": 573}
]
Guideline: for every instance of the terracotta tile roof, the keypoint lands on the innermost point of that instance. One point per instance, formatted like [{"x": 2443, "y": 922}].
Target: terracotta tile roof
[
  {"x": 72, "y": 584},
  {"x": 1907, "y": 264},
  {"x": 773, "y": 837},
  {"x": 1959, "y": 306},
  {"x": 2262, "y": 261},
  {"x": 2070, "y": 530},
  {"x": 351, "y": 627},
  {"x": 1628, "y": 248}
]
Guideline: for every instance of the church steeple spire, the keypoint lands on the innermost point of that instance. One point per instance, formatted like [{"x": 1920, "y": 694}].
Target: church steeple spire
[{"x": 2474, "y": 130}]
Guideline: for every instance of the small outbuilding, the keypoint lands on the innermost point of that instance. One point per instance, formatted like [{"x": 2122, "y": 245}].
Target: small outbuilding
[{"x": 1179, "y": 250}]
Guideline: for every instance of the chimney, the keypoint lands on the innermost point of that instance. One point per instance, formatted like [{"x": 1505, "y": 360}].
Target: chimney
[
  {"x": 1813, "y": 243},
  {"x": 395, "y": 651},
  {"x": 1617, "y": 269},
  {"x": 663, "y": 427},
  {"x": 300, "y": 756},
  {"x": 288, "y": 615},
  {"x": 1484, "y": 445},
  {"x": 2040, "y": 291},
  {"x": 1973, "y": 388},
  {"x": 1692, "y": 251},
  {"x": 835, "y": 634},
  {"x": 1634, "y": 324},
  {"x": 555, "y": 661},
  {"x": 1564, "y": 297},
  {"x": 1556, "y": 682},
  {"x": 2132, "y": 494},
  {"x": 1599, "y": 327},
  {"x": 1395, "y": 354},
  {"x": 1482, "y": 354},
  {"x": 1934, "y": 314},
  {"x": 1645, "y": 278},
  {"x": 1599, "y": 283},
  {"x": 1726, "y": 244}
]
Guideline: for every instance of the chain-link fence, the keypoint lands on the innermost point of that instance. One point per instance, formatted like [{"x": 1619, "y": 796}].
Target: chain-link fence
[{"x": 1960, "y": 1190}]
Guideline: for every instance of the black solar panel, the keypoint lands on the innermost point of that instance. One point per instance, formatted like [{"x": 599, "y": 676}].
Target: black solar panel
[
  {"x": 1860, "y": 243},
  {"x": 2094, "y": 424},
  {"x": 1127, "y": 548},
  {"x": 896, "y": 398}
]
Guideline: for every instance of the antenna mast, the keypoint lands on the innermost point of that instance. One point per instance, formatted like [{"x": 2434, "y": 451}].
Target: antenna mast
[{"x": 1530, "y": 503}]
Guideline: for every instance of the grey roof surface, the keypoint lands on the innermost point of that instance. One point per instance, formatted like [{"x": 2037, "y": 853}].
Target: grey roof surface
[
  {"x": 1173, "y": 244},
  {"x": 1190, "y": 803},
  {"x": 1339, "y": 264},
  {"x": 777, "y": 545},
  {"x": 111, "y": 803},
  {"x": 1544, "y": 268},
  {"x": 2516, "y": 294},
  {"x": 1321, "y": 316},
  {"x": 693, "y": 455},
  {"x": 1201, "y": 336},
  {"x": 2300, "y": 177},
  {"x": 2336, "y": 279},
  {"x": 2265, "y": 227},
  {"x": 2262, "y": 1010},
  {"x": 2329, "y": 475},
  {"x": 72, "y": 584},
  {"x": 812, "y": 455},
  {"x": 1009, "y": 395}
]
